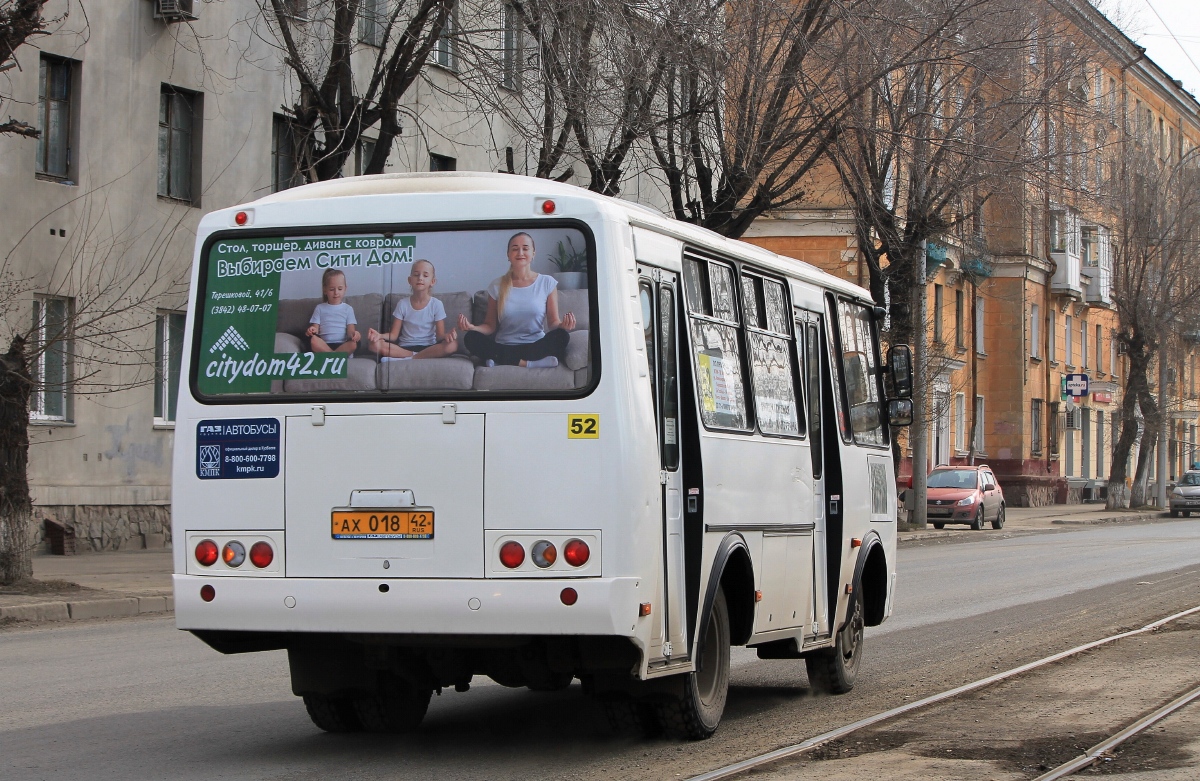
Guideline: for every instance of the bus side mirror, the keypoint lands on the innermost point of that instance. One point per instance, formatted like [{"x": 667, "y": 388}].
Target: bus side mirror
[
  {"x": 900, "y": 412},
  {"x": 900, "y": 365}
]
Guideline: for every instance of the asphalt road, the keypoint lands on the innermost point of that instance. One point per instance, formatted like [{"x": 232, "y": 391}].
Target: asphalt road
[{"x": 136, "y": 699}]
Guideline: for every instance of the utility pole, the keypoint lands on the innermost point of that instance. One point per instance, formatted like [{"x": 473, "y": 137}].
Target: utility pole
[
  {"x": 1164, "y": 432},
  {"x": 919, "y": 430}
]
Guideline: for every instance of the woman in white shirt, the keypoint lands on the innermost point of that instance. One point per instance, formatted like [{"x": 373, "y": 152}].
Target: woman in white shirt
[{"x": 522, "y": 326}]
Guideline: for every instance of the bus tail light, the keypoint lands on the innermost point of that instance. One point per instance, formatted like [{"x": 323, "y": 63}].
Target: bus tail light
[
  {"x": 208, "y": 593},
  {"x": 261, "y": 554},
  {"x": 577, "y": 553},
  {"x": 569, "y": 596},
  {"x": 206, "y": 553},
  {"x": 512, "y": 555},
  {"x": 233, "y": 554},
  {"x": 544, "y": 554}
]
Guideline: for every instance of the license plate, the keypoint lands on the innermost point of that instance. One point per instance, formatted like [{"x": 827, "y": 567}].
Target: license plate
[
  {"x": 382, "y": 525},
  {"x": 939, "y": 512}
]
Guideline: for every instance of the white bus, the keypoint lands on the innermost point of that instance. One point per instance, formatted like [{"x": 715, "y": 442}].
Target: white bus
[{"x": 437, "y": 426}]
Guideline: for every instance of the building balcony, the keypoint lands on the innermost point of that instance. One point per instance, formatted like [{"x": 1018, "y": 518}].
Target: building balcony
[
  {"x": 1068, "y": 274},
  {"x": 1097, "y": 281}
]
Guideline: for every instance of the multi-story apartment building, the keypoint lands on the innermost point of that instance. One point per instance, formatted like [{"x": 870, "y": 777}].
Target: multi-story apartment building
[
  {"x": 151, "y": 114},
  {"x": 1005, "y": 334}
]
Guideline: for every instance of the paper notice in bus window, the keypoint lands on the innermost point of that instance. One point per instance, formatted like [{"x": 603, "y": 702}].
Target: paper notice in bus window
[{"x": 669, "y": 430}]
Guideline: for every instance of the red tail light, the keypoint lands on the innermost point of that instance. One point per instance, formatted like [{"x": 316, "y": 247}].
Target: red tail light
[
  {"x": 577, "y": 553},
  {"x": 208, "y": 593},
  {"x": 206, "y": 553},
  {"x": 512, "y": 555},
  {"x": 569, "y": 596},
  {"x": 261, "y": 554}
]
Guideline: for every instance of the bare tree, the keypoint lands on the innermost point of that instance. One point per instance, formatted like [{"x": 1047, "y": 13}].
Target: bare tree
[
  {"x": 105, "y": 286},
  {"x": 323, "y": 44},
  {"x": 1156, "y": 289},
  {"x": 20, "y": 20}
]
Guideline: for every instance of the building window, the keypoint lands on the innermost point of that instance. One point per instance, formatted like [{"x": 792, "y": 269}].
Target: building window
[
  {"x": 1100, "y": 473},
  {"x": 176, "y": 150},
  {"x": 372, "y": 20},
  {"x": 1035, "y": 427},
  {"x": 511, "y": 48},
  {"x": 958, "y": 320},
  {"x": 442, "y": 163},
  {"x": 283, "y": 155},
  {"x": 51, "y": 367},
  {"x": 1051, "y": 342},
  {"x": 168, "y": 355},
  {"x": 1058, "y": 231},
  {"x": 1083, "y": 344},
  {"x": 445, "y": 51},
  {"x": 977, "y": 443},
  {"x": 1112, "y": 355},
  {"x": 979, "y": 325},
  {"x": 960, "y": 422},
  {"x": 54, "y": 117},
  {"x": 1099, "y": 351},
  {"x": 1052, "y": 437},
  {"x": 362, "y": 155},
  {"x": 1035, "y": 323},
  {"x": 1067, "y": 345},
  {"x": 937, "y": 313}
]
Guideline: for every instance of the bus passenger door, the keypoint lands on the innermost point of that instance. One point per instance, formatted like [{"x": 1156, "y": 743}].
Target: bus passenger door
[
  {"x": 808, "y": 327},
  {"x": 657, "y": 291}
]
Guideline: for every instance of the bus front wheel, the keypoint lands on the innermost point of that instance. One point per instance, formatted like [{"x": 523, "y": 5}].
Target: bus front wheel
[
  {"x": 833, "y": 670},
  {"x": 396, "y": 706},
  {"x": 697, "y": 714}
]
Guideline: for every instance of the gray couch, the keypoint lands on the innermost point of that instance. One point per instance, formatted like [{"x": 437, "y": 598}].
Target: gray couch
[{"x": 460, "y": 372}]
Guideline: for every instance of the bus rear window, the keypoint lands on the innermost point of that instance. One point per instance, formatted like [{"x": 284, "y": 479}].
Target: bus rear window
[{"x": 407, "y": 313}]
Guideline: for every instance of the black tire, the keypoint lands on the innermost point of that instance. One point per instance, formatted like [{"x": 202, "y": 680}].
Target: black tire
[
  {"x": 332, "y": 714},
  {"x": 999, "y": 522},
  {"x": 697, "y": 714},
  {"x": 630, "y": 717},
  {"x": 1174, "y": 513},
  {"x": 833, "y": 670},
  {"x": 1187, "y": 513},
  {"x": 395, "y": 707},
  {"x": 939, "y": 526},
  {"x": 977, "y": 521}
]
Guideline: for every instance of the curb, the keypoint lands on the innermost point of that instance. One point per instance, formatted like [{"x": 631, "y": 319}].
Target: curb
[
  {"x": 88, "y": 608},
  {"x": 943, "y": 535}
]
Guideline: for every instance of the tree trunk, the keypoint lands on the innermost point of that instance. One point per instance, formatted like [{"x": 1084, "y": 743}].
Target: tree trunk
[
  {"x": 1136, "y": 384},
  {"x": 16, "y": 560}
]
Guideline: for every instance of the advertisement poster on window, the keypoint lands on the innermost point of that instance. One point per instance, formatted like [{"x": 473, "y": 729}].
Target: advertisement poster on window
[{"x": 439, "y": 310}]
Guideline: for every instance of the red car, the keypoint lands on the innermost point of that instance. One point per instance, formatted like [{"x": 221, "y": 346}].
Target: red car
[{"x": 965, "y": 494}]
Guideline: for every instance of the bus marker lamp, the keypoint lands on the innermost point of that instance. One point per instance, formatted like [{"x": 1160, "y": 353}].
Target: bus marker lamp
[
  {"x": 512, "y": 555},
  {"x": 234, "y": 554},
  {"x": 577, "y": 553},
  {"x": 758, "y": 596},
  {"x": 208, "y": 593},
  {"x": 261, "y": 554},
  {"x": 206, "y": 553},
  {"x": 547, "y": 207},
  {"x": 644, "y": 609},
  {"x": 855, "y": 542},
  {"x": 544, "y": 554},
  {"x": 569, "y": 596}
]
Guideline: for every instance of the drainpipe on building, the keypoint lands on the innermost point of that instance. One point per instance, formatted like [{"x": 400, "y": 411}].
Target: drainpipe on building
[
  {"x": 1160, "y": 483},
  {"x": 976, "y": 326}
]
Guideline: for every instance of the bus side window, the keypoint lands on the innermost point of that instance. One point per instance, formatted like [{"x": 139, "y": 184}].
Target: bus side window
[
  {"x": 713, "y": 318},
  {"x": 670, "y": 379},
  {"x": 861, "y": 370},
  {"x": 812, "y": 354},
  {"x": 768, "y": 341},
  {"x": 646, "y": 295}
]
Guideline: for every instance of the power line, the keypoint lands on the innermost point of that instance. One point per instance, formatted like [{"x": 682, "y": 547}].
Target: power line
[{"x": 1170, "y": 32}]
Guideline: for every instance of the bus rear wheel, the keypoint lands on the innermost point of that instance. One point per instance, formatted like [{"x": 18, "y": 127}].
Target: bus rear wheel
[
  {"x": 396, "y": 706},
  {"x": 697, "y": 714},
  {"x": 332, "y": 714},
  {"x": 833, "y": 670}
]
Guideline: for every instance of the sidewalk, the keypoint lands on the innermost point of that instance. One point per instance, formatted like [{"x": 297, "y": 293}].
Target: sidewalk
[
  {"x": 1033, "y": 519},
  {"x": 128, "y": 583},
  {"x": 94, "y": 585}
]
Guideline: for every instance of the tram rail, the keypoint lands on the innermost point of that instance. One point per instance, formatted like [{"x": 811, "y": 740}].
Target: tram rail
[{"x": 798, "y": 749}]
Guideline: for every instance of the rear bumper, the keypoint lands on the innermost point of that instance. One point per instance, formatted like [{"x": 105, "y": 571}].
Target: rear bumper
[{"x": 606, "y": 606}]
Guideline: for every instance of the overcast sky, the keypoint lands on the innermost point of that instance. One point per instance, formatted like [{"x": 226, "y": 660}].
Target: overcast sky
[{"x": 1175, "y": 45}]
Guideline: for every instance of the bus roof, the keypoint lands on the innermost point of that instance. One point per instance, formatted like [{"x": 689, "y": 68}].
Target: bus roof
[{"x": 478, "y": 181}]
